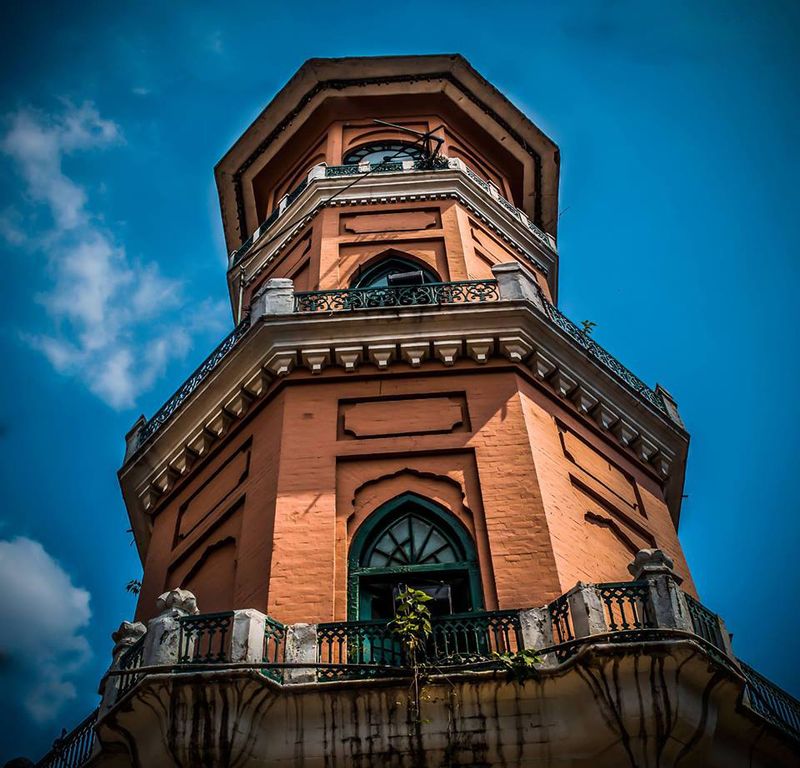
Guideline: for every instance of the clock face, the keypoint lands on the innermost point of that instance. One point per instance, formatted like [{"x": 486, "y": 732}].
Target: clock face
[{"x": 392, "y": 151}]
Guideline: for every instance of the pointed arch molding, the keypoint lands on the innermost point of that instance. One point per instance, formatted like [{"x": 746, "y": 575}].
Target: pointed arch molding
[{"x": 442, "y": 489}]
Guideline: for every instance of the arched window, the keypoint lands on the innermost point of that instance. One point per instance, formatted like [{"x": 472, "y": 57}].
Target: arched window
[
  {"x": 410, "y": 541},
  {"x": 407, "y": 272},
  {"x": 382, "y": 151}
]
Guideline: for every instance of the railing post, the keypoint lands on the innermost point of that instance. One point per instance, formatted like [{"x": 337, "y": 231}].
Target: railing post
[
  {"x": 128, "y": 634},
  {"x": 301, "y": 648},
  {"x": 247, "y": 636},
  {"x": 515, "y": 283},
  {"x": 275, "y": 298},
  {"x": 317, "y": 172},
  {"x": 668, "y": 609},
  {"x": 537, "y": 633},
  {"x": 132, "y": 437},
  {"x": 586, "y": 610},
  {"x": 162, "y": 641}
]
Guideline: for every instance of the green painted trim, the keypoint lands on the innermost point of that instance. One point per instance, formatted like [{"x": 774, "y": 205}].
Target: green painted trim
[{"x": 378, "y": 520}]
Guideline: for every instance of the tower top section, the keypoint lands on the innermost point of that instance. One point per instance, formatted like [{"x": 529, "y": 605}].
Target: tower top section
[{"x": 326, "y": 113}]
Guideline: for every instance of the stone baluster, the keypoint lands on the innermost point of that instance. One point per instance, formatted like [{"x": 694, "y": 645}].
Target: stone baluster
[
  {"x": 247, "y": 636},
  {"x": 162, "y": 641},
  {"x": 537, "y": 633},
  {"x": 301, "y": 648},
  {"x": 128, "y": 634},
  {"x": 586, "y": 611},
  {"x": 515, "y": 283},
  {"x": 275, "y": 298},
  {"x": 317, "y": 172},
  {"x": 667, "y": 608}
]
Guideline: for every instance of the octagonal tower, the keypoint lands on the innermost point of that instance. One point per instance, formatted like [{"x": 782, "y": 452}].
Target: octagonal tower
[{"x": 402, "y": 404}]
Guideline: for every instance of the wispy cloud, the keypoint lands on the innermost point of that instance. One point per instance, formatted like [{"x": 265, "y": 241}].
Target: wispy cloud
[
  {"x": 110, "y": 313},
  {"x": 42, "y": 616}
]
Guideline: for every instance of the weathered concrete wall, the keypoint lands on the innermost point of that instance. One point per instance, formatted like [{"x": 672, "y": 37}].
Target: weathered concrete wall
[{"x": 618, "y": 706}]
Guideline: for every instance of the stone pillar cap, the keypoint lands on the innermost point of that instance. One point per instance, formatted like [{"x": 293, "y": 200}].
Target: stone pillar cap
[
  {"x": 181, "y": 600},
  {"x": 652, "y": 562},
  {"x": 128, "y": 633}
]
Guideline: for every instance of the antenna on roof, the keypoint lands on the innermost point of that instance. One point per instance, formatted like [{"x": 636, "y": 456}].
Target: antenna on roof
[{"x": 427, "y": 138}]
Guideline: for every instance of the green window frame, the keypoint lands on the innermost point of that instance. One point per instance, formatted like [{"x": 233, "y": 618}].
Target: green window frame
[{"x": 454, "y": 550}]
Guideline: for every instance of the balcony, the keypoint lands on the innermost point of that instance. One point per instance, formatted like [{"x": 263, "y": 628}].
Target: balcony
[
  {"x": 650, "y": 611},
  {"x": 352, "y": 173},
  {"x": 282, "y": 303}
]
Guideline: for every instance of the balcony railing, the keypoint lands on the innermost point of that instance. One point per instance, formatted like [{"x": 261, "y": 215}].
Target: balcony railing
[
  {"x": 773, "y": 704},
  {"x": 201, "y": 373},
  {"x": 205, "y": 639},
  {"x": 130, "y": 664},
  {"x": 338, "y": 171},
  {"x": 74, "y": 749},
  {"x": 606, "y": 358},
  {"x": 459, "y": 292},
  {"x": 350, "y": 650}
]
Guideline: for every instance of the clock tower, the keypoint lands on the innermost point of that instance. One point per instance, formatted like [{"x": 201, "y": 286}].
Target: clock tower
[{"x": 402, "y": 404}]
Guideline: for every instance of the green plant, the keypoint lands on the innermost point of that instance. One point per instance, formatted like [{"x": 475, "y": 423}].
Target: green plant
[
  {"x": 412, "y": 626},
  {"x": 134, "y": 586},
  {"x": 588, "y": 326},
  {"x": 521, "y": 665}
]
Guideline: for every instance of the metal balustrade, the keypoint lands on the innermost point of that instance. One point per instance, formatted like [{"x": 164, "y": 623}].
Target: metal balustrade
[
  {"x": 129, "y": 663},
  {"x": 349, "y": 650},
  {"x": 467, "y": 638},
  {"x": 459, "y": 292},
  {"x": 625, "y": 605},
  {"x": 74, "y": 749},
  {"x": 773, "y": 704},
  {"x": 704, "y": 622},
  {"x": 205, "y": 639},
  {"x": 392, "y": 166},
  {"x": 274, "y": 651},
  {"x": 603, "y": 356},
  {"x": 201, "y": 373}
]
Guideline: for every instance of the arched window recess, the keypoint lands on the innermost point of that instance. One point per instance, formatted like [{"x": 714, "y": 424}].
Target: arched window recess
[
  {"x": 393, "y": 271},
  {"x": 411, "y": 541}
]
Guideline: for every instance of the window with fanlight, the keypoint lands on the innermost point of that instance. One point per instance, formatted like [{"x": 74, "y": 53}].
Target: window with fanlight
[
  {"x": 394, "y": 271},
  {"x": 411, "y": 541}
]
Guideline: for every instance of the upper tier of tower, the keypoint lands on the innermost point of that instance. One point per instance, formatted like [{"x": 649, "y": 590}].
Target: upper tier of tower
[{"x": 325, "y": 118}]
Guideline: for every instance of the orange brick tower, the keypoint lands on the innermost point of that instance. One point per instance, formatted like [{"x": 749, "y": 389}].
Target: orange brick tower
[
  {"x": 398, "y": 355},
  {"x": 402, "y": 404}
]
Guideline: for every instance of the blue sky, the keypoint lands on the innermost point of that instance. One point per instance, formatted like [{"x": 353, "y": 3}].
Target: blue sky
[{"x": 679, "y": 235}]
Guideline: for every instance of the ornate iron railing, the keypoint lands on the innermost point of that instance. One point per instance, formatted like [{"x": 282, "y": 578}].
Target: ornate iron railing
[
  {"x": 467, "y": 638},
  {"x": 772, "y": 703},
  {"x": 625, "y": 605},
  {"x": 129, "y": 664},
  {"x": 705, "y": 623},
  {"x": 459, "y": 292},
  {"x": 393, "y": 166},
  {"x": 606, "y": 358},
  {"x": 74, "y": 749},
  {"x": 205, "y": 639},
  {"x": 274, "y": 652},
  {"x": 349, "y": 649},
  {"x": 200, "y": 374}
]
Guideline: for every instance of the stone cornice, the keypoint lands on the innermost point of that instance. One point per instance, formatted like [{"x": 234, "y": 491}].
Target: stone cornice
[{"x": 516, "y": 331}]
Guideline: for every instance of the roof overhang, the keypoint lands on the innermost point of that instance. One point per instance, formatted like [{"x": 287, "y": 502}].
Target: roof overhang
[{"x": 320, "y": 79}]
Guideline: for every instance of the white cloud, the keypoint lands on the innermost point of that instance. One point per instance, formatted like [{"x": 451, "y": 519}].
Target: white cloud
[
  {"x": 110, "y": 314},
  {"x": 42, "y": 615}
]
